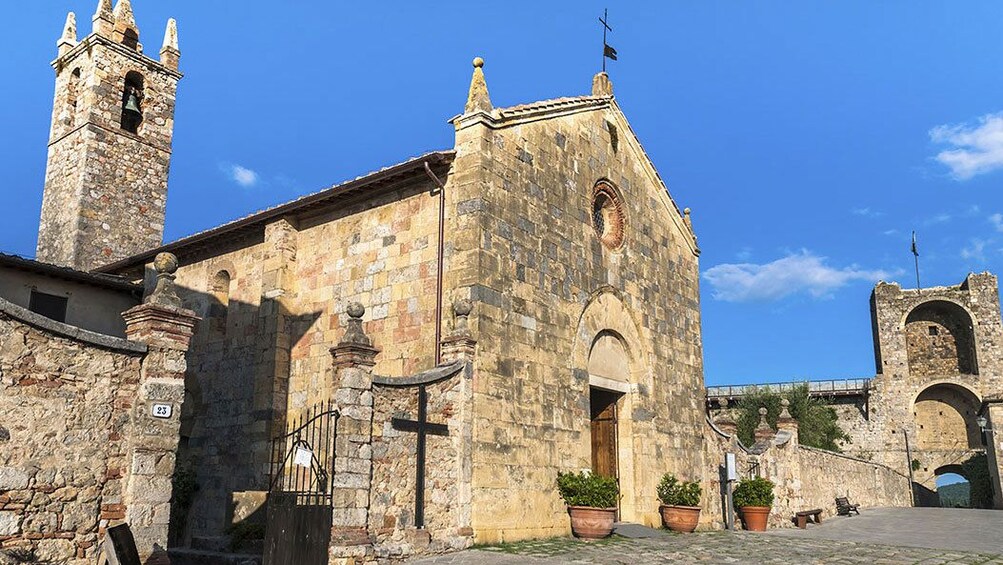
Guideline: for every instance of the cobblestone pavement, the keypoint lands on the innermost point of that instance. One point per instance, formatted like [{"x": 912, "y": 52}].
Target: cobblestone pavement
[{"x": 782, "y": 546}]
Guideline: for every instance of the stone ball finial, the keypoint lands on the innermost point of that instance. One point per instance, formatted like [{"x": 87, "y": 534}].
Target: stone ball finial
[
  {"x": 723, "y": 403},
  {"x": 165, "y": 263},
  {"x": 686, "y": 211},
  {"x": 784, "y": 402},
  {"x": 762, "y": 411},
  {"x": 478, "y": 62},
  {"x": 462, "y": 307},
  {"x": 355, "y": 310}
]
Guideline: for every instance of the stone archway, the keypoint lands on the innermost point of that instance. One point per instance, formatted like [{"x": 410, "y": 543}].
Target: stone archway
[
  {"x": 945, "y": 414},
  {"x": 940, "y": 340},
  {"x": 953, "y": 494},
  {"x": 612, "y": 354}
]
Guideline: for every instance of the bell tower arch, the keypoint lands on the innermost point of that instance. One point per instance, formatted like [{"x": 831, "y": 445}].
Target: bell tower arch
[{"x": 109, "y": 144}]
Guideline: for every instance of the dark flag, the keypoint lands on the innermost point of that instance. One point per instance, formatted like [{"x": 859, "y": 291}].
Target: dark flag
[
  {"x": 609, "y": 52},
  {"x": 914, "y": 250}
]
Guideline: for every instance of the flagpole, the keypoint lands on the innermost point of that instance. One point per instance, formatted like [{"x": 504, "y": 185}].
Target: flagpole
[
  {"x": 605, "y": 17},
  {"x": 915, "y": 254}
]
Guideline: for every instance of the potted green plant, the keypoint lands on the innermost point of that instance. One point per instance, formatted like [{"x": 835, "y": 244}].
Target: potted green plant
[
  {"x": 680, "y": 503},
  {"x": 591, "y": 501},
  {"x": 753, "y": 498}
]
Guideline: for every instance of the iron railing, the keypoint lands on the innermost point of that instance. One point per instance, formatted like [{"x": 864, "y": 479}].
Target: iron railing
[{"x": 835, "y": 387}]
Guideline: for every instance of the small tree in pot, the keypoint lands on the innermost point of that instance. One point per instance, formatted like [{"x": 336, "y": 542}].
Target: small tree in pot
[
  {"x": 591, "y": 501},
  {"x": 754, "y": 498},
  {"x": 680, "y": 503}
]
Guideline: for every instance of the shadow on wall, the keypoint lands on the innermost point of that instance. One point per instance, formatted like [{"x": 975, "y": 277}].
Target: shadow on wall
[{"x": 236, "y": 391}]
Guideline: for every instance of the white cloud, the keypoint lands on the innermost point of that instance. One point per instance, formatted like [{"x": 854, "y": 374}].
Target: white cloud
[
  {"x": 997, "y": 221},
  {"x": 867, "y": 212},
  {"x": 239, "y": 174},
  {"x": 975, "y": 250},
  {"x": 795, "y": 273},
  {"x": 243, "y": 176},
  {"x": 938, "y": 219},
  {"x": 974, "y": 148}
]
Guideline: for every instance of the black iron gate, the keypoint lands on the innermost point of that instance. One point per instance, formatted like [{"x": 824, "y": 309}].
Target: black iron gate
[{"x": 300, "y": 493}]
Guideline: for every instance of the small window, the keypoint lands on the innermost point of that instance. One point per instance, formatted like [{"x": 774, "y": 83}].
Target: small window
[
  {"x": 933, "y": 330},
  {"x": 220, "y": 306},
  {"x": 48, "y": 305},
  {"x": 607, "y": 215}
]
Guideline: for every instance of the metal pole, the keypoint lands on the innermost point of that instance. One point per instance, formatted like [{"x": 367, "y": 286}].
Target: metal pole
[
  {"x": 605, "y": 16},
  {"x": 908, "y": 455}
]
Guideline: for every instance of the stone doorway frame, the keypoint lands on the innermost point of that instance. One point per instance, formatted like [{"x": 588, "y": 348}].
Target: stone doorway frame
[{"x": 607, "y": 314}]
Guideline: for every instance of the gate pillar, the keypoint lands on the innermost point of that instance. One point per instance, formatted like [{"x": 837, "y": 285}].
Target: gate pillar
[
  {"x": 353, "y": 359},
  {"x": 166, "y": 327}
]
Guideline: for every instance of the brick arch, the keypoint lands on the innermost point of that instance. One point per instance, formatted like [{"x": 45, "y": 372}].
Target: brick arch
[
  {"x": 944, "y": 414},
  {"x": 940, "y": 339}
]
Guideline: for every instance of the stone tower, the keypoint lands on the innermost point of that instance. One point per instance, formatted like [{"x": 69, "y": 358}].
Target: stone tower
[
  {"x": 937, "y": 352},
  {"x": 110, "y": 142}
]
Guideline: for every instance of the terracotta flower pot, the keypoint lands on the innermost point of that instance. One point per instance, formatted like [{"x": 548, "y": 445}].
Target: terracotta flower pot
[
  {"x": 680, "y": 518},
  {"x": 754, "y": 517},
  {"x": 591, "y": 523}
]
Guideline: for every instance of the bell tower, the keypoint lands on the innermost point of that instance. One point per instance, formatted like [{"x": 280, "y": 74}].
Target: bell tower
[{"x": 110, "y": 142}]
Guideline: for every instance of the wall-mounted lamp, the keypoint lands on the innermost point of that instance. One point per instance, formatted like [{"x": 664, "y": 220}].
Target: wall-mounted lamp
[{"x": 983, "y": 424}]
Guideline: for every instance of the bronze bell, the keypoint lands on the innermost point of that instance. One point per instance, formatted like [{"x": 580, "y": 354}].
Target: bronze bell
[{"x": 132, "y": 104}]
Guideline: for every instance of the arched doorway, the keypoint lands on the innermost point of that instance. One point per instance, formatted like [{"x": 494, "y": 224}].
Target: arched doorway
[
  {"x": 940, "y": 340},
  {"x": 953, "y": 488},
  {"x": 609, "y": 381},
  {"x": 945, "y": 418}
]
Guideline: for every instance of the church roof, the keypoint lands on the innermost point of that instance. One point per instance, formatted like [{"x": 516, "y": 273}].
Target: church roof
[{"x": 334, "y": 195}]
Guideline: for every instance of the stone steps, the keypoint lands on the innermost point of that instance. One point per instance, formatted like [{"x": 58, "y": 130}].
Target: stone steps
[{"x": 185, "y": 556}]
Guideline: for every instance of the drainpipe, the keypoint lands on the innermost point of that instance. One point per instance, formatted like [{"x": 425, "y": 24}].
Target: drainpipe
[{"x": 438, "y": 272}]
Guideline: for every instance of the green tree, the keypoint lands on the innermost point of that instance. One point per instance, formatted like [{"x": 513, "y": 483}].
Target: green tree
[
  {"x": 976, "y": 469},
  {"x": 818, "y": 424}
]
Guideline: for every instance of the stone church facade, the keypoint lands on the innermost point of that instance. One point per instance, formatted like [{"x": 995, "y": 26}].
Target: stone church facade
[{"x": 533, "y": 291}]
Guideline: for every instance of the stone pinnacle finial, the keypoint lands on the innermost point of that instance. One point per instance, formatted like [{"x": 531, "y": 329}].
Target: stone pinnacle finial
[
  {"x": 784, "y": 412},
  {"x": 762, "y": 419},
  {"x": 601, "y": 85},
  {"x": 171, "y": 35},
  {"x": 763, "y": 430},
  {"x": 170, "y": 53},
  {"x": 69, "y": 37},
  {"x": 461, "y": 309},
  {"x": 165, "y": 293},
  {"x": 125, "y": 21},
  {"x": 478, "y": 98},
  {"x": 354, "y": 335},
  {"x": 104, "y": 19}
]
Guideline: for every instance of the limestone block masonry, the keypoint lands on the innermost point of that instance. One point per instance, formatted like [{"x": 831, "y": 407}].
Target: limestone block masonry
[
  {"x": 106, "y": 174},
  {"x": 81, "y": 447}
]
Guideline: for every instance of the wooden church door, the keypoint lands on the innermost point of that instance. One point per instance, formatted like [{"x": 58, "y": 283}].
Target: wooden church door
[{"x": 604, "y": 419}]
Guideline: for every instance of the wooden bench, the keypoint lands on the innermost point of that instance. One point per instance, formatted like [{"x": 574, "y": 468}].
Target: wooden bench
[
  {"x": 843, "y": 507},
  {"x": 802, "y": 517}
]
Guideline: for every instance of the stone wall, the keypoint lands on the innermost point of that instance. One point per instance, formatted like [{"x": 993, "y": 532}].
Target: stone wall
[
  {"x": 805, "y": 478},
  {"x": 394, "y": 466},
  {"x": 82, "y": 446},
  {"x": 268, "y": 358},
  {"x": 64, "y": 406}
]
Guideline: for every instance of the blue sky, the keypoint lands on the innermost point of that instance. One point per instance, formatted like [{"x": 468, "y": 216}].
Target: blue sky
[{"x": 809, "y": 138}]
